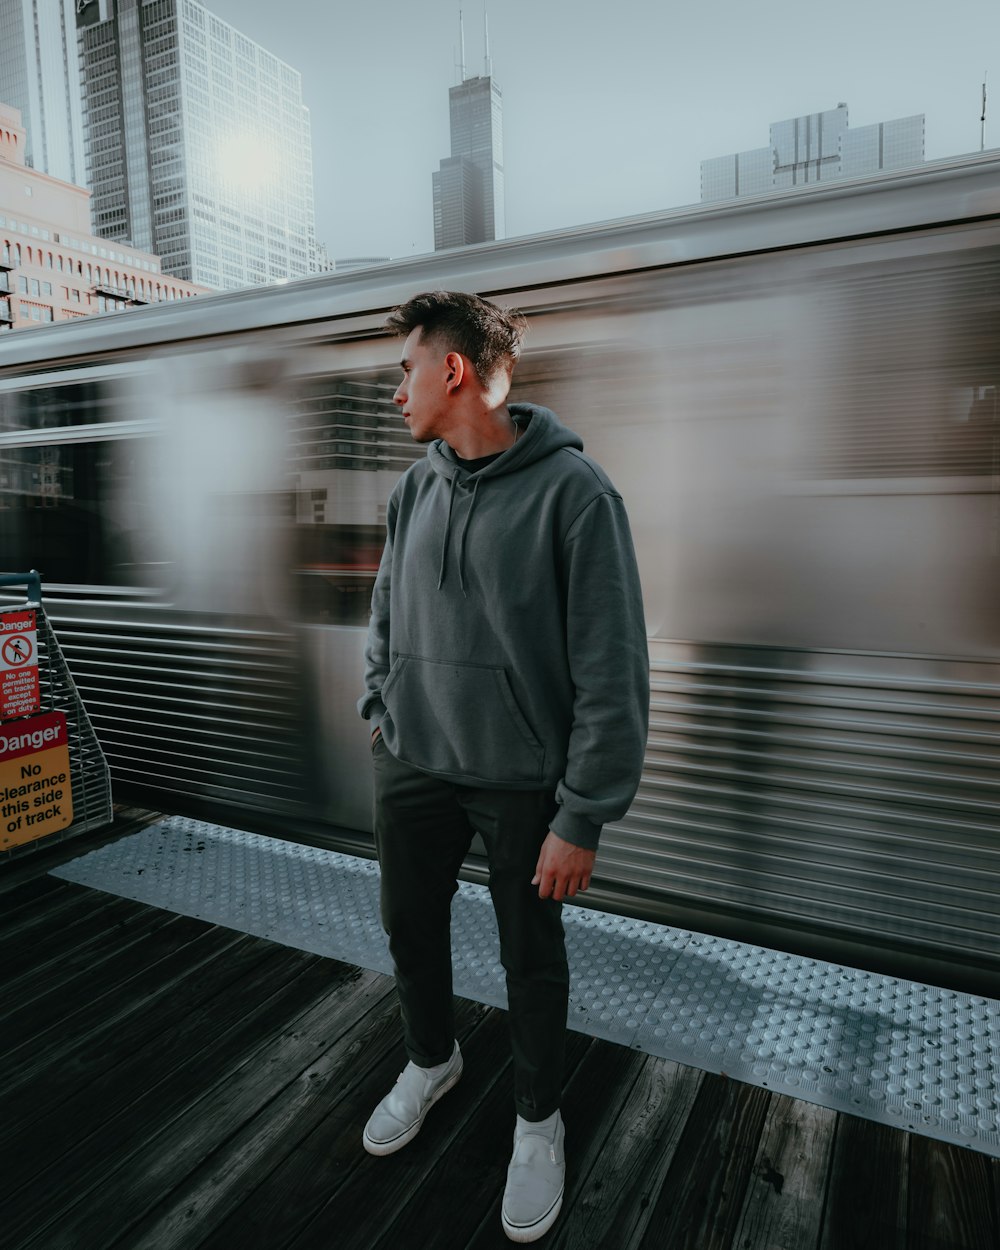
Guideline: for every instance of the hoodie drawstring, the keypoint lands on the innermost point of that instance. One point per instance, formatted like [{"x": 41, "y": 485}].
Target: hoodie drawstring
[
  {"x": 461, "y": 536},
  {"x": 540, "y": 435},
  {"x": 447, "y": 532}
]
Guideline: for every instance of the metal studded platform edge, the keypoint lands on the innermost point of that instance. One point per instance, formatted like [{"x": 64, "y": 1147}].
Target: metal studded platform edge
[{"x": 903, "y": 1054}]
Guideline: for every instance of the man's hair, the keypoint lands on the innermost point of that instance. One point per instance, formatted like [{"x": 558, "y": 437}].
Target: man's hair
[{"x": 488, "y": 335}]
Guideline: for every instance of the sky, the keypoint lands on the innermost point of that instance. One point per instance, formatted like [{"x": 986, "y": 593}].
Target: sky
[{"x": 609, "y": 108}]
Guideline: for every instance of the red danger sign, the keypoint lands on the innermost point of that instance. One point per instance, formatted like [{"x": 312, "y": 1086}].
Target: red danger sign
[{"x": 19, "y": 688}]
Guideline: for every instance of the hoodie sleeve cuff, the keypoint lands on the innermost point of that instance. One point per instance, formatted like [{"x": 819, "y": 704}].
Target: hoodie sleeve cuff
[
  {"x": 372, "y": 709},
  {"x": 576, "y": 829}
]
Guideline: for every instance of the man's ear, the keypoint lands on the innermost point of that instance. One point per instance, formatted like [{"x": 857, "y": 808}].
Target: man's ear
[{"x": 454, "y": 364}]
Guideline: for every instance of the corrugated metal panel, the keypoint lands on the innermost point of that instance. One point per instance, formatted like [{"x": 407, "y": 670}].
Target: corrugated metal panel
[
  {"x": 200, "y": 708},
  {"x": 858, "y": 793}
]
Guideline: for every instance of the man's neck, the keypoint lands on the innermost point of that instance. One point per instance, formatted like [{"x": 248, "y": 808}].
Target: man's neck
[{"x": 491, "y": 432}]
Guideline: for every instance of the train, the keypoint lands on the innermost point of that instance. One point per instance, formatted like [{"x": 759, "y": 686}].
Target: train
[{"x": 796, "y": 395}]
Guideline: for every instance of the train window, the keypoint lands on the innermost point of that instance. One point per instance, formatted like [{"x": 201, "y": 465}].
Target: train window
[
  {"x": 76, "y": 513},
  {"x": 348, "y": 448},
  {"x": 52, "y": 407},
  {"x": 335, "y": 567},
  {"x": 909, "y": 367}
]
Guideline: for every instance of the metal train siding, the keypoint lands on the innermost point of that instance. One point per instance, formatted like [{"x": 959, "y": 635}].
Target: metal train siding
[{"x": 797, "y": 397}]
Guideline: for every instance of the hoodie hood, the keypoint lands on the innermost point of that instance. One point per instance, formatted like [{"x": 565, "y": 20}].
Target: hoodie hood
[{"x": 542, "y": 433}]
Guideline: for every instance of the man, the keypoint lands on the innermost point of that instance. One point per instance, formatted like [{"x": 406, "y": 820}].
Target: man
[{"x": 507, "y": 680}]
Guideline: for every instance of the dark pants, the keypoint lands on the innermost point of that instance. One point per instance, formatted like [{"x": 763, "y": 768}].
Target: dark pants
[{"x": 423, "y": 829}]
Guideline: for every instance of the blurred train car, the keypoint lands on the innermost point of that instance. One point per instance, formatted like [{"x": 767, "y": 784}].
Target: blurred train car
[{"x": 797, "y": 396}]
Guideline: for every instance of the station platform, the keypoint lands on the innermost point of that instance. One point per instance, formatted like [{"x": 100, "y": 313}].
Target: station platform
[{"x": 198, "y": 1022}]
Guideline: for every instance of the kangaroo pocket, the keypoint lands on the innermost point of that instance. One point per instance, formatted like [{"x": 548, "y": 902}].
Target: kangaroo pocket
[{"x": 461, "y": 720}]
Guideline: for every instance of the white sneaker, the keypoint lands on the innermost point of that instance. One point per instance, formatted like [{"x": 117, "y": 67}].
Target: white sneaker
[
  {"x": 535, "y": 1182},
  {"x": 400, "y": 1115}
]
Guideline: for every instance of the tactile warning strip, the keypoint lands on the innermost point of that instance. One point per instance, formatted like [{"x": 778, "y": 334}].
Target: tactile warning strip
[{"x": 907, "y": 1055}]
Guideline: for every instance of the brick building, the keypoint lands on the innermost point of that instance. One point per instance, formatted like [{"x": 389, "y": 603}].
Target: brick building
[{"x": 51, "y": 266}]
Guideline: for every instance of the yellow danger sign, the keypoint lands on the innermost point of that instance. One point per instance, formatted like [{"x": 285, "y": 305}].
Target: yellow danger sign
[{"x": 36, "y": 795}]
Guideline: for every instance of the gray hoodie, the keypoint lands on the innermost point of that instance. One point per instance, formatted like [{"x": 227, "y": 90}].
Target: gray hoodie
[{"x": 507, "y": 648}]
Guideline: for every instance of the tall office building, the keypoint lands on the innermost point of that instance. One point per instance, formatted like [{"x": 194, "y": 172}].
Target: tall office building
[
  {"x": 815, "y": 148},
  {"x": 40, "y": 77},
  {"x": 198, "y": 145},
  {"x": 468, "y": 185}
]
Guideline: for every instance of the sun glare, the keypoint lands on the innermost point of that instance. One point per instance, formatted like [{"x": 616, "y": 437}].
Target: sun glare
[{"x": 246, "y": 164}]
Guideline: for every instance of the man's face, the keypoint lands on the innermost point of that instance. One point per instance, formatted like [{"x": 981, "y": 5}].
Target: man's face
[{"x": 423, "y": 392}]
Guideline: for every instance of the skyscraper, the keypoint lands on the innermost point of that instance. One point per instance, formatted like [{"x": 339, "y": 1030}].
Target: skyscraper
[
  {"x": 198, "y": 143},
  {"x": 468, "y": 185},
  {"x": 40, "y": 77},
  {"x": 815, "y": 148}
]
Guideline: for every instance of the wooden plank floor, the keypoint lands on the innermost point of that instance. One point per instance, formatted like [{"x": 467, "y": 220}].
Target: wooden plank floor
[{"x": 169, "y": 1084}]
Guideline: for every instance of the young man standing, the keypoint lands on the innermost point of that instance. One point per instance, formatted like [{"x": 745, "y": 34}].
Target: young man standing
[{"x": 507, "y": 680}]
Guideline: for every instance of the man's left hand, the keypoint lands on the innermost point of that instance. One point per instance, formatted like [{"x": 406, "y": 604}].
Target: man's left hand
[{"x": 562, "y": 868}]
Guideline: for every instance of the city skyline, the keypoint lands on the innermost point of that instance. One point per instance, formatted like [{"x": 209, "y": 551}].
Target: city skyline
[
  {"x": 605, "y": 118},
  {"x": 607, "y": 113}
]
